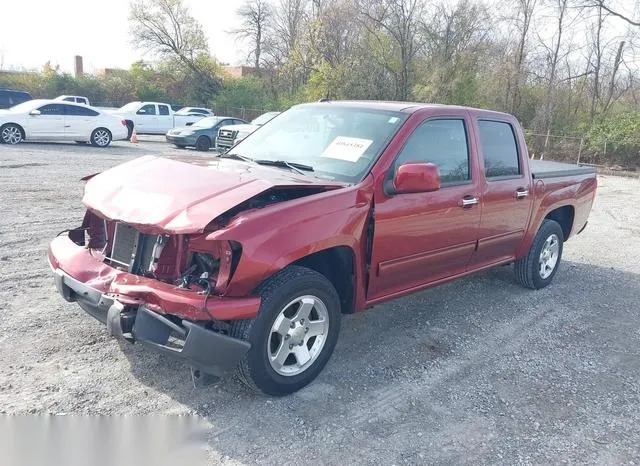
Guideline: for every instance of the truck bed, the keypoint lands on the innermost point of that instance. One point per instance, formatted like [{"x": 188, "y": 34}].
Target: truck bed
[{"x": 546, "y": 169}]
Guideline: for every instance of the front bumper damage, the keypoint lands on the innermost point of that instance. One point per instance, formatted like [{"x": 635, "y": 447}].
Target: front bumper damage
[{"x": 131, "y": 317}]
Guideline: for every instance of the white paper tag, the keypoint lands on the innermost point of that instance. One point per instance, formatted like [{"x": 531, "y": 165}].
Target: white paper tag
[{"x": 346, "y": 148}]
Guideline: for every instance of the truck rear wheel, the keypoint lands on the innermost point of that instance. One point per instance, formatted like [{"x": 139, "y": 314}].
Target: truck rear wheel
[
  {"x": 539, "y": 266},
  {"x": 294, "y": 334}
]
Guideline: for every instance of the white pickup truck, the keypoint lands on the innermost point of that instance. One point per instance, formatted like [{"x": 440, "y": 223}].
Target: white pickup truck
[{"x": 153, "y": 117}]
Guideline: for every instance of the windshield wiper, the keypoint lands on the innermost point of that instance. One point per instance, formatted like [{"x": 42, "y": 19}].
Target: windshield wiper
[
  {"x": 236, "y": 156},
  {"x": 297, "y": 167}
]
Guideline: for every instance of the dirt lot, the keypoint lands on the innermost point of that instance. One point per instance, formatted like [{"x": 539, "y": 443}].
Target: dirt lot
[{"x": 477, "y": 371}]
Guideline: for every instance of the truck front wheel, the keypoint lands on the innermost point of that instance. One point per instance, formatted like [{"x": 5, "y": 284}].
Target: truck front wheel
[
  {"x": 538, "y": 267},
  {"x": 294, "y": 334}
]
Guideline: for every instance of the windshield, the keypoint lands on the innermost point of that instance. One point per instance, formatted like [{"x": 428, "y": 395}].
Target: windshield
[
  {"x": 340, "y": 143},
  {"x": 130, "y": 107},
  {"x": 206, "y": 123},
  {"x": 262, "y": 119}
]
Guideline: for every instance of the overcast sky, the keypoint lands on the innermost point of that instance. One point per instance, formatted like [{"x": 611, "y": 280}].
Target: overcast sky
[{"x": 57, "y": 30}]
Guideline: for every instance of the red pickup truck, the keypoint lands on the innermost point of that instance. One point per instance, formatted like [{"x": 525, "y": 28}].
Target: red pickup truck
[{"x": 248, "y": 260}]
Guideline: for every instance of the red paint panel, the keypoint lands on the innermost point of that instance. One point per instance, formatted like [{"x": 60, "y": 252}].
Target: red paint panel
[{"x": 87, "y": 266}]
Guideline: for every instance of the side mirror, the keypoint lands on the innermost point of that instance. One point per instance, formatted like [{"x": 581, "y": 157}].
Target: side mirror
[
  {"x": 142, "y": 111},
  {"x": 415, "y": 178},
  {"x": 34, "y": 112}
]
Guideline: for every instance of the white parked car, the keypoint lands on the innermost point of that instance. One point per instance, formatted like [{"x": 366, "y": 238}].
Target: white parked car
[
  {"x": 229, "y": 136},
  {"x": 52, "y": 120},
  {"x": 195, "y": 111},
  {"x": 153, "y": 117},
  {"x": 78, "y": 99}
]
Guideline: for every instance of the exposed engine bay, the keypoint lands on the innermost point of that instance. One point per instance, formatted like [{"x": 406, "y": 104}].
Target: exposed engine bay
[{"x": 182, "y": 260}]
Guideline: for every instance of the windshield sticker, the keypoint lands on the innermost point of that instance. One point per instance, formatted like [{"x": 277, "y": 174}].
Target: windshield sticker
[{"x": 346, "y": 148}]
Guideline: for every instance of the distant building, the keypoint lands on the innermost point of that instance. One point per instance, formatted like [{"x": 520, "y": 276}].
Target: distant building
[
  {"x": 236, "y": 72},
  {"x": 106, "y": 72}
]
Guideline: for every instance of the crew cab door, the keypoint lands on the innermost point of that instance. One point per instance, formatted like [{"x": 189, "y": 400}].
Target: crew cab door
[
  {"x": 506, "y": 191},
  {"x": 165, "y": 119},
  {"x": 421, "y": 238},
  {"x": 146, "y": 119},
  {"x": 79, "y": 122}
]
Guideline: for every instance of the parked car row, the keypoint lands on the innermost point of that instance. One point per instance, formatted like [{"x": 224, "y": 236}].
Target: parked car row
[
  {"x": 72, "y": 118},
  {"x": 38, "y": 119}
]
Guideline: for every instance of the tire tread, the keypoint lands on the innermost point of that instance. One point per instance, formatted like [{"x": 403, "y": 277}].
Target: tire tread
[
  {"x": 524, "y": 268},
  {"x": 268, "y": 290}
]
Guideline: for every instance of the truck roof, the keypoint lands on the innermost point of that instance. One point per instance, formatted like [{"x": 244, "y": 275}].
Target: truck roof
[{"x": 407, "y": 107}]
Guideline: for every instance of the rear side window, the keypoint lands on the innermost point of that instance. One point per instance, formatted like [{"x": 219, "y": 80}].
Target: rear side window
[
  {"x": 499, "y": 149},
  {"x": 69, "y": 99},
  {"x": 80, "y": 111},
  {"x": 52, "y": 109},
  {"x": 443, "y": 143},
  {"x": 164, "y": 110}
]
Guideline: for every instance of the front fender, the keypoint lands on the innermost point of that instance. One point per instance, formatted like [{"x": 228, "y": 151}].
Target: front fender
[{"x": 286, "y": 233}]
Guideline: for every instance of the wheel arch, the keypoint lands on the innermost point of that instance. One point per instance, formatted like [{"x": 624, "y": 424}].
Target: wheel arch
[
  {"x": 562, "y": 212},
  {"x": 564, "y": 215},
  {"x": 24, "y": 134},
  {"x": 337, "y": 264}
]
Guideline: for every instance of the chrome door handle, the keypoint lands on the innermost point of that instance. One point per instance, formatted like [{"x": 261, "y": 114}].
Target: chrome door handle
[
  {"x": 468, "y": 201},
  {"x": 521, "y": 193}
]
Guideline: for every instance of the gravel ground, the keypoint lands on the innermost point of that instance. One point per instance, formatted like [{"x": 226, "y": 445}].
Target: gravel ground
[{"x": 478, "y": 371}]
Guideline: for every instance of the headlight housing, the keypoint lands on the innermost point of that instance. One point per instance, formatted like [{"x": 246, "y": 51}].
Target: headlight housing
[{"x": 213, "y": 261}]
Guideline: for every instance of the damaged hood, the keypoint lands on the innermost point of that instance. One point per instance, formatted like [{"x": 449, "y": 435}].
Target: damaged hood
[{"x": 169, "y": 195}]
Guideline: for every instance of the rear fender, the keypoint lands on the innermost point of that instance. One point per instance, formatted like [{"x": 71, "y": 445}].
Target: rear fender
[{"x": 553, "y": 195}]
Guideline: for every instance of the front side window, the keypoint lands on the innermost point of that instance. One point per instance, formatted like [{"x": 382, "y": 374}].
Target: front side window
[
  {"x": 52, "y": 109},
  {"x": 147, "y": 110},
  {"x": 339, "y": 142},
  {"x": 499, "y": 149},
  {"x": 443, "y": 143}
]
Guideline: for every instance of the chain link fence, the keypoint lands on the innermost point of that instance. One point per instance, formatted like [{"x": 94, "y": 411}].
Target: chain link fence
[{"x": 578, "y": 149}]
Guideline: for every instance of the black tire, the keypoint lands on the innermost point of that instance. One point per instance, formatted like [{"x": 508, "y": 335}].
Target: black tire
[
  {"x": 528, "y": 269},
  {"x": 276, "y": 292},
  {"x": 11, "y": 134},
  {"x": 100, "y": 137},
  {"x": 203, "y": 143}
]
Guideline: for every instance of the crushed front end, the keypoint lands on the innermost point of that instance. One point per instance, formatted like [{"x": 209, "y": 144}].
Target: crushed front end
[{"x": 163, "y": 290}]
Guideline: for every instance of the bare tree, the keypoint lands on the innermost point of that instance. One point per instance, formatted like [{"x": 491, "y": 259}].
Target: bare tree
[
  {"x": 400, "y": 20},
  {"x": 167, "y": 29},
  {"x": 602, "y": 5},
  {"x": 255, "y": 16},
  {"x": 454, "y": 38},
  {"x": 525, "y": 13},
  {"x": 553, "y": 57}
]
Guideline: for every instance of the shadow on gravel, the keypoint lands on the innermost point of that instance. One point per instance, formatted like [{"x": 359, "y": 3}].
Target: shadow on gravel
[{"x": 479, "y": 367}]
